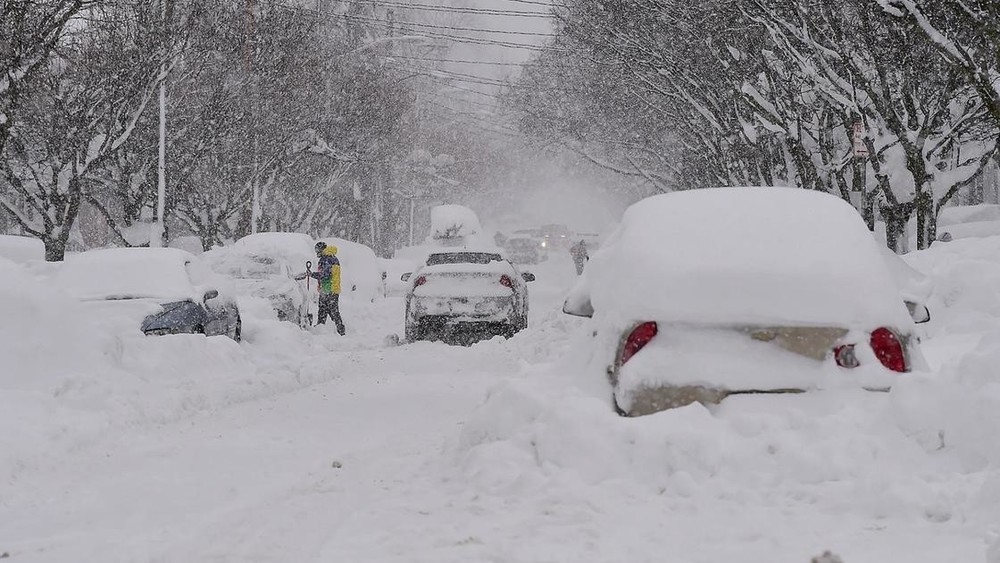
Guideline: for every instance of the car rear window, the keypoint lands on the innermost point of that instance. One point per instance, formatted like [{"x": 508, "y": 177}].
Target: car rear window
[{"x": 462, "y": 258}]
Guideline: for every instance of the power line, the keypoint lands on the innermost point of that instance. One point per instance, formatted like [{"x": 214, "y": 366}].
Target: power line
[
  {"x": 484, "y": 124},
  {"x": 533, "y": 2},
  {"x": 460, "y": 75},
  {"x": 404, "y": 27},
  {"x": 452, "y": 9},
  {"x": 453, "y": 28},
  {"x": 392, "y": 26},
  {"x": 474, "y": 62}
]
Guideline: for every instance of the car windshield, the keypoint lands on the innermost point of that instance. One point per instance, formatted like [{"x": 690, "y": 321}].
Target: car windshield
[
  {"x": 462, "y": 258},
  {"x": 257, "y": 268}
]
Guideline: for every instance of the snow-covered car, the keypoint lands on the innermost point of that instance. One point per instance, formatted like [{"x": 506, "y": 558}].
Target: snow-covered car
[
  {"x": 466, "y": 294},
  {"x": 166, "y": 290},
  {"x": 360, "y": 272},
  {"x": 264, "y": 265},
  {"x": 522, "y": 250},
  {"x": 703, "y": 294}
]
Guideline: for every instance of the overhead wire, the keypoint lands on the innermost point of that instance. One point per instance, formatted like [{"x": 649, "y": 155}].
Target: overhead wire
[
  {"x": 405, "y": 27},
  {"x": 451, "y": 27},
  {"x": 451, "y": 9}
]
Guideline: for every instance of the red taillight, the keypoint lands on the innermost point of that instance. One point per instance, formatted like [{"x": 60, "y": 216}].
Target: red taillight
[
  {"x": 505, "y": 280},
  {"x": 888, "y": 349},
  {"x": 845, "y": 356},
  {"x": 421, "y": 280},
  {"x": 637, "y": 339}
]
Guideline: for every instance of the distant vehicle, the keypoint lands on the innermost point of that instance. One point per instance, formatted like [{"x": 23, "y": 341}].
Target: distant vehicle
[
  {"x": 704, "y": 294},
  {"x": 555, "y": 236},
  {"x": 264, "y": 265},
  {"x": 169, "y": 289},
  {"x": 522, "y": 250},
  {"x": 466, "y": 295},
  {"x": 21, "y": 249}
]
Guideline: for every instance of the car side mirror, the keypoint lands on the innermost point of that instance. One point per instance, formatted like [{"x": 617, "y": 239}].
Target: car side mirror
[
  {"x": 405, "y": 277},
  {"x": 578, "y": 309},
  {"x": 919, "y": 313},
  {"x": 211, "y": 294},
  {"x": 528, "y": 276}
]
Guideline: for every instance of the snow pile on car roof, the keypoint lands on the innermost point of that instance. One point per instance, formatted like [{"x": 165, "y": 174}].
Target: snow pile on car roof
[
  {"x": 744, "y": 255},
  {"x": 450, "y": 221},
  {"x": 291, "y": 246},
  {"x": 129, "y": 273}
]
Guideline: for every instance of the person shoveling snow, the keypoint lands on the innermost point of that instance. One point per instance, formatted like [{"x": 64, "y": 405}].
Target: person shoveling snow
[{"x": 328, "y": 276}]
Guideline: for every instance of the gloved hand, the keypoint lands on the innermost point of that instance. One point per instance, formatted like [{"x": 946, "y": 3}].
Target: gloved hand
[{"x": 302, "y": 276}]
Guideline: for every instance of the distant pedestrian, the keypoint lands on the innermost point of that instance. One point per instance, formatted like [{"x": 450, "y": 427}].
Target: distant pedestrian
[
  {"x": 580, "y": 257},
  {"x": 328, "y": 276}
]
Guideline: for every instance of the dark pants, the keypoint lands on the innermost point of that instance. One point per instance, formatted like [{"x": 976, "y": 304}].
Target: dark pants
[{"x": 329, "y": 306}]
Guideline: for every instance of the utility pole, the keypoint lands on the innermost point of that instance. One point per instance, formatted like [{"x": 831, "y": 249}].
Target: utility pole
[
  {"x": 249, "y": 56},
  {"x": 158, "y": 231}
]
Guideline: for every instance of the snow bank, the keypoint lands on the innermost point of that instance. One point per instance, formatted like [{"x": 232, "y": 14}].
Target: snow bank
[
  {"x": 75, "y": 371},
  {"x": 965, "y": 275},
  {"x": 21, "y": 249},
  {"x": 968, "y": 214}
]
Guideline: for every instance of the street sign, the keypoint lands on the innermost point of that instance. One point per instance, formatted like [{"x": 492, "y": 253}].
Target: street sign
[{"x": 858, "y": 138}]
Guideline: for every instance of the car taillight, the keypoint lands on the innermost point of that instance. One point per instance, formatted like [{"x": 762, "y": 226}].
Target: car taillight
[
  {"x": 637, "y": 339},
  {"x": 888, "y": 349},
  {"x": 505, "y": 280},
  {"x": 845, "y": 356},
  {"x": 421, "y": 280}
]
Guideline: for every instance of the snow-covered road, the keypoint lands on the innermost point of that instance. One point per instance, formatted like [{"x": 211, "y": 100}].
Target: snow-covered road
[{"x": 316, "y": 448}]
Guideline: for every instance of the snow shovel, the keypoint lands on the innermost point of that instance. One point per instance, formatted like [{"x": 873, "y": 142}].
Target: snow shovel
[{"x": 309, "y": 264}]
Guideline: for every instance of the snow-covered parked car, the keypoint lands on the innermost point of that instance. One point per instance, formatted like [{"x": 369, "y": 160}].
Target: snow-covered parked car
[
  {"x": 165, "y": 290},
  {"x": 360, "y": 272},
  {"x": 466, "y": 294},
  {"x": 264, "y": 265},
  {"x": 703, "y": 294}
]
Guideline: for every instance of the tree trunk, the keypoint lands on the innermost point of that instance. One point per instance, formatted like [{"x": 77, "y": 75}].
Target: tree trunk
[{"x": 55, "y": 248}]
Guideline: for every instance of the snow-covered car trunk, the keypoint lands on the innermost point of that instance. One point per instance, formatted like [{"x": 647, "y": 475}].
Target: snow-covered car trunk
[{"x": 702, "y": 294}]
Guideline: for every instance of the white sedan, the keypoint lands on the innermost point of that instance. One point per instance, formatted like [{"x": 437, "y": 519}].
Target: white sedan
[
  {"x": 707, "y": 293},
  {"x": 466, "y": 295}
]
